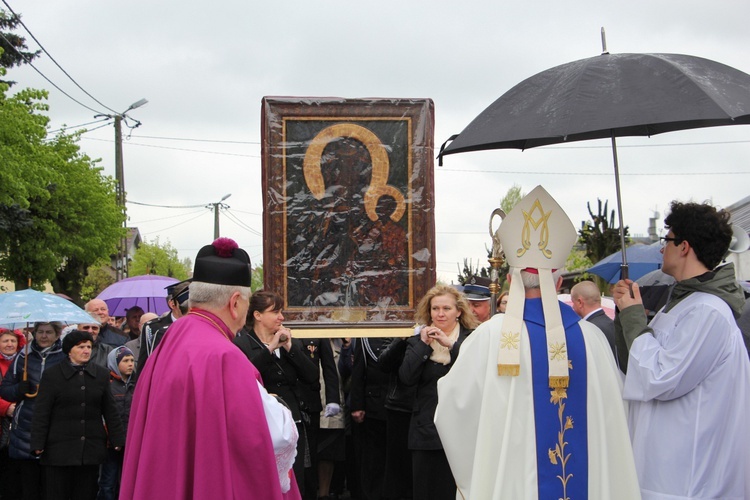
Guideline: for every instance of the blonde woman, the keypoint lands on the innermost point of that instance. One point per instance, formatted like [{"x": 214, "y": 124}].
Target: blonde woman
[{"x": 444, "y": 320}]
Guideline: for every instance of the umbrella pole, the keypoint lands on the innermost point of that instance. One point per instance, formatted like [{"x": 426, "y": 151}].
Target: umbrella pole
[{"x": 624, "y": 266}]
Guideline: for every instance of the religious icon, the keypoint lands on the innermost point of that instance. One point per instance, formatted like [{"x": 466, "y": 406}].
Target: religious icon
[{"x": 352, "y": 192}]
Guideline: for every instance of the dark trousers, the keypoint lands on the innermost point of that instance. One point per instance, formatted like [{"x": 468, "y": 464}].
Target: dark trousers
[
  {"x": 398, "y": 480},
  {"x": 299, "y": 461},
  {"x": 10, "y": 477},
  {"x": 32, "y": 483},
  {"x": 310, "y": 490},
  {"x": 76, "y": 482},
  {"x": 433, "y": 479},
  {"x": 109, "y": 476},
  {"x": 373, "y": 458}
]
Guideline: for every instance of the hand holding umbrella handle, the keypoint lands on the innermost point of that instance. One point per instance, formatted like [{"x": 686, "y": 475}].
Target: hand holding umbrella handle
[{"x": 27, "y": 391}]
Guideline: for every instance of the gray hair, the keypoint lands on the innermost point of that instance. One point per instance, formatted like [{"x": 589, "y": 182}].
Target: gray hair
[
  {"x": 213, "y": 296},
  {"x": 531, "y": 280}
]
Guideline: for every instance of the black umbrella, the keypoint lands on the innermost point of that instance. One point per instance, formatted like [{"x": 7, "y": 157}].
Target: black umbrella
[{"x": 609, "y": 96}]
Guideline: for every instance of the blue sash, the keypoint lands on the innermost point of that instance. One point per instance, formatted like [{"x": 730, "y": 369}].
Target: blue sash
[{"x": 559, "y": 414}]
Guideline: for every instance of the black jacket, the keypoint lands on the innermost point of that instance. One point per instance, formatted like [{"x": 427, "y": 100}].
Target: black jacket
[
  {"x": 369, "y": 383},
  {"x": 607, "y": 326},
  {"x": 400, "y": 397},
  {"x": 320, "y": 353},
  {"x": 281, "y": 376},
  {"x": 67, "y": 421},
  {"x": 20, "y": 434},
  {"x": 417, "y": 369}
]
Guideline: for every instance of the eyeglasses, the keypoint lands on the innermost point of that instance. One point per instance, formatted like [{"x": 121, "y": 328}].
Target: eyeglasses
[{"x": 664, "y": 239}]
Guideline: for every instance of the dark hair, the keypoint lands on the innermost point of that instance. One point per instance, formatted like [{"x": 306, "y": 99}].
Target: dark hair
[
  {"x": 703, "y": 226},
  {"x": 57, "y": 326},
  {"x": 262, "y": 300}
]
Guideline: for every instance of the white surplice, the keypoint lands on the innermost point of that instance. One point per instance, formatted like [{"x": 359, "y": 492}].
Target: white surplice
[
  {"x": 688, "y": 386},
  {"x": 486, "y": 422}
]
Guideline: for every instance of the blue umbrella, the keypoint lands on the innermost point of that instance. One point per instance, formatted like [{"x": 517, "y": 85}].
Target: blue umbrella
[
  {"x": 642, "y": 259},
  {"x": 29, "y": 306}
]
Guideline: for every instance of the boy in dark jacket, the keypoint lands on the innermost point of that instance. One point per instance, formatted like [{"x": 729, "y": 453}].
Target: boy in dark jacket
[{"x": 121, "y": 364}]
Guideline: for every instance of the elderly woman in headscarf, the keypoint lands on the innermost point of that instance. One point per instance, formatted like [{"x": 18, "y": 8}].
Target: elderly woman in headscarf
[
  {"x": 19, "y": 386},
  {"x": 68, "y": 429},
  {"x": 445, "y": 320}
]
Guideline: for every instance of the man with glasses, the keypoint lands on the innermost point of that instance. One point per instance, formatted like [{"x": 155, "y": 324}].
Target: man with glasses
[
  {"x": 100, "y": 350},
  {"x": 688, "y": 374}
]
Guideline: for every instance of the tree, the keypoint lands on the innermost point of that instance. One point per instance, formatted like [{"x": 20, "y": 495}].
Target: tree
[
  {"x": 256, "y": 279},
  {"x": 160, "y": 259},
  {"x": 578, "y": 262},
  {"x": 98, "y": 277},
  {"x": 13, "y": 49},
  {"x": 599, "y": 235},
  {"x": 507, "y": 202},
  {"x": 69, "y": 215}
]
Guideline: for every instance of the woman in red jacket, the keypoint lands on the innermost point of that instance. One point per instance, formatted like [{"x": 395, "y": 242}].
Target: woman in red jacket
[{"x": 10, "y": 343}]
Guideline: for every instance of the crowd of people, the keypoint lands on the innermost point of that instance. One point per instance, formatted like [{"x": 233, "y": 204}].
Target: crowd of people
[{"x": 218, "y": 399}]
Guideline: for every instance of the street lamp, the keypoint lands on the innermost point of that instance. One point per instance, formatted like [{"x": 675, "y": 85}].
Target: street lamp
[
  {"x": 122, "y": 253},
  {"x": 216, "y": 207}
]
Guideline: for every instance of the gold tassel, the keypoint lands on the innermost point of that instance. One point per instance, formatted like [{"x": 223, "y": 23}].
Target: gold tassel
[
  {"x": 558, "y": 382},
  {"x": 508, "y": 370}
]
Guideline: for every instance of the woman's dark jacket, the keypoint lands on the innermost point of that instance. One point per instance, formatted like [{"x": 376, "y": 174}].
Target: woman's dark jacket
[
  {"x": 400, "y": 397},
  {"x": 20, "y": 434},
  {"x": 369, "y": 383},
  {"x": 281, "y": 376},
  {"x": 67, "y": 421},
  {"x": 417, "y": 369}
]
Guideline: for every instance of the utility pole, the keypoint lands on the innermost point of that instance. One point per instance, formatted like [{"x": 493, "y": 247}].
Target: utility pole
[
  {"x": 122, "y": 246},
  {"x": 216, "y": 206},
  {"x": 121, "y": 267}
]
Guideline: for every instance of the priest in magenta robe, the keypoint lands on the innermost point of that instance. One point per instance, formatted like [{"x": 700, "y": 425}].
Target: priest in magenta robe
[{"x": 201, "y": 424}]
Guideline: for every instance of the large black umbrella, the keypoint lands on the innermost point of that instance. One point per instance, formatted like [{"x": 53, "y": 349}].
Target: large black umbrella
[{"x": 609, "y": 96}]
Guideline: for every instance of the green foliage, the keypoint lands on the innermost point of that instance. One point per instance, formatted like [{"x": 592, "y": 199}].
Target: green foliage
[
  {"x": 578, "y": 262},
  {"x": 98, "y": 277},
  {"x": 57, "y": 209},
  {"x": 510, "y": 200},
  {"x": 159, "y": 259},
  {"x": 13, "y": 49},
  {"x": 256, "y": 279},
  {"x": 599, "y": 236}
]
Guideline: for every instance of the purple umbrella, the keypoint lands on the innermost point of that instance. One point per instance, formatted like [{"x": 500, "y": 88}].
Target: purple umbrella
[{"x": 147, "y": 291}]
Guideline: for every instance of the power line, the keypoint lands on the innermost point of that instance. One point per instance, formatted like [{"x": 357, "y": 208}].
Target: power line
[
  {"x": 78, "y": 126},
  {"x": 168, "y": 217},
  {"x": 194, "y": 140},
  {"x": 28, "y": 61},
  {"x": 54, "y": 61},
  {"x": 177, "y": 149},
  {"x": 237, "y": 221},
  {"x": 176, "y": 225},
  {"x": 166, "y": 206},
  {"x": 622, "y": 174}
]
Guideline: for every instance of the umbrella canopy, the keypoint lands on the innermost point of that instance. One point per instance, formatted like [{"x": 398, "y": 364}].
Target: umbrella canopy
[
  {"x": 642, "y": 259},
  {"x": 29, "y": 306},
  {"x": 147, "y": 291},
  {"x": 609, "y": 96}
]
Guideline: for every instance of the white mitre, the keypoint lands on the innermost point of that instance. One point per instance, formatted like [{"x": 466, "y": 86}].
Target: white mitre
[{"x": 537, "y": 236}]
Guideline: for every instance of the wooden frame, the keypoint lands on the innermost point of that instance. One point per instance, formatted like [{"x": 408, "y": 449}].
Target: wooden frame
[{"x": 348, "y": 192}]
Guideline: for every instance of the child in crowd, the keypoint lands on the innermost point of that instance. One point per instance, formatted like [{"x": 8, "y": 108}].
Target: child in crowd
[{"x": 121, "y": 364}]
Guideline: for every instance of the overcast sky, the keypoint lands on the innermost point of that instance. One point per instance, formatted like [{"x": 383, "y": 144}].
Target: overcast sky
[{"x": 205, "y": 66}]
